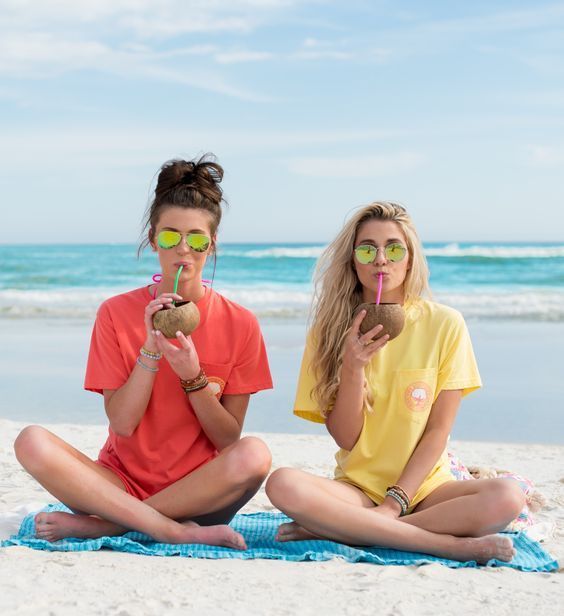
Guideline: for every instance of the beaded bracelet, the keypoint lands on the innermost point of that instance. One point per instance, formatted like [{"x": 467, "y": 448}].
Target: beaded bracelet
[
  {"x": 400, "y": 495},
  {"x": 150, "y": 354},
  {"x": 145, "y": 367},
  {"x": 195, "y": 384},
  {"x": 397, "y": 497},
  {"x": 402, "y": 492}
]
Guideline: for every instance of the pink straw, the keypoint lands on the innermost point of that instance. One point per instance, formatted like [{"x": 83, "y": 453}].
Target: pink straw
[{"x": 380, "y": 276}]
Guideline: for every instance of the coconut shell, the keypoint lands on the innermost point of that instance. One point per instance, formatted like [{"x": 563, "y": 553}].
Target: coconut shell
[
  {"x": 184, "y": 317},
  {"x": 391, "y": 316}
]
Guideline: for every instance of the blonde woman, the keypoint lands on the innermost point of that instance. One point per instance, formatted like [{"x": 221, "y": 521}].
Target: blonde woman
[{"x": 389, "y": 406}]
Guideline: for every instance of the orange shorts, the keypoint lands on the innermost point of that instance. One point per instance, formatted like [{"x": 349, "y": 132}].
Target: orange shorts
[{"x": 131, "y": 487}]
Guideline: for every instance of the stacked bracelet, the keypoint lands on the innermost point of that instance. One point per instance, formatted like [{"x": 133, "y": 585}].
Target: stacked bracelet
[
  {"x": 196, "y": 383},
  {"x": 150, "y": 354},
  {"x": 400, "y": 496},
  {"x": 145, "y": 367}
]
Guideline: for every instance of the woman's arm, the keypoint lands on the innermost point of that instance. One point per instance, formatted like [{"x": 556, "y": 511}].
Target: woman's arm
[
  {"x": 430, "y": 446},
  {"x": 221, "y": 421},
  {"x": 344, "y": 422},
  {"x": 346, "y": 419},
  {"x": 126, "y": 406}
]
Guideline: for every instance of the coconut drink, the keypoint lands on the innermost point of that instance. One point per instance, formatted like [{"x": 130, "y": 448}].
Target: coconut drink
[
  {"x": 182, "y": 316},
  {"x": 390, "y": 316}
]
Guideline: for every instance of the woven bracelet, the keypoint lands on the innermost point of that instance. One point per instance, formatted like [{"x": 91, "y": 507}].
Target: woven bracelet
[{"x": 195, "y": 384}]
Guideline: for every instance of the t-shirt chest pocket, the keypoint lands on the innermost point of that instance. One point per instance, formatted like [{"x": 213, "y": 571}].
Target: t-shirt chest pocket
[
  {"x": 218, "y": 375},
  {"x": 416, "y": 389}
]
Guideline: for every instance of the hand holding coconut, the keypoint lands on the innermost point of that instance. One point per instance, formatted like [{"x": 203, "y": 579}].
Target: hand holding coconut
[
  {"x": 181, "y": 316},
  {"x": 154, "y": 306},
  {"x": 390, "y": 316},
  {"x": 360, "y": 348},
  {"x": 184, "y": 360}
]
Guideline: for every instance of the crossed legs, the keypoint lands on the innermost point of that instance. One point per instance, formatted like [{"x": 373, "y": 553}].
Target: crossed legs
[
  {"x": 455, "y": 521},
  {"x": 209, "y": 495}
]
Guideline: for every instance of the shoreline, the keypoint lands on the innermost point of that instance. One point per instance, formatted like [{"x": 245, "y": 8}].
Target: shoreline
[
  {"x": 520, "y": 401},
  {"x": 108, "y": 582}
]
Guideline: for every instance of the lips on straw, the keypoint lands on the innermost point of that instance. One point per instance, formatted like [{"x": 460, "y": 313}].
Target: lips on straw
[{"x": 379, "y": 295}]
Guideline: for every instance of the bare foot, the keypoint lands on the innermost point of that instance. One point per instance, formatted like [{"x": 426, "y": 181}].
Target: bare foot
[
  {"x": 292, "y": 531},
  {"x": 221, "y": 535},
  {"x": 483, "y": 549},
  {"x": 60, "y": 525}
]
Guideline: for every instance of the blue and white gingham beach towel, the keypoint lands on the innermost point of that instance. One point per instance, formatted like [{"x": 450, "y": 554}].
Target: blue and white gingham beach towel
[{"x": 259, "y": 530}]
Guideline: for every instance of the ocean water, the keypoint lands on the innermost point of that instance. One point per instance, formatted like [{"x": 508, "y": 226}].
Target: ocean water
[
  {"x": 512, "y": 296},
  {"x": 486, "y": 281}
]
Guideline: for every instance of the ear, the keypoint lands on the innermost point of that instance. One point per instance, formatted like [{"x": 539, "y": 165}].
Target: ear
[
  {"x": 213, "y": 245},
  {"x": 152, "y": 243}
]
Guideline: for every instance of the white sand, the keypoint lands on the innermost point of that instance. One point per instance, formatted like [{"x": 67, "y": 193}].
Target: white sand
[{"x": 110, "y": 583}]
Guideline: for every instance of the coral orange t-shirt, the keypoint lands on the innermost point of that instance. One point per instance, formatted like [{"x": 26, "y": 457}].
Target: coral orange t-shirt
[{"x": 169, "y": 441}]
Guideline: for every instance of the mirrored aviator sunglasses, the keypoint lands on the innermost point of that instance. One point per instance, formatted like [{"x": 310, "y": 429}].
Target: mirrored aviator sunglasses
[
  {"x": 366, "y": 253},
  {"x": 196, "y": 241}
]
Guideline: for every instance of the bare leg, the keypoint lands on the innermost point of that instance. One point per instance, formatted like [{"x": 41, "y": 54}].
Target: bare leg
[
  {"x": 321, "y": 513},
  {"x": 85, "y": 486},
  {"x": 292, "y": 531},
  {"x": 469, "y": 508}
]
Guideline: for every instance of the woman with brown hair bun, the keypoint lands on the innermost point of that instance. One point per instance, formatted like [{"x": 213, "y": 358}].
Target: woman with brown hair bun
[{"x": 174, "y": 465}]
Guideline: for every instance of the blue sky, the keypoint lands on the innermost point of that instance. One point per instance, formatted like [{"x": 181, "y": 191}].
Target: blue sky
[{"x": 454, "y": 108}]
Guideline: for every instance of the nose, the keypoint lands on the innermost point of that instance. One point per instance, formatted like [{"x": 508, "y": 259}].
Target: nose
[
  {"x": 182, "y": 247},
  {"x": 380, "y": 256}
]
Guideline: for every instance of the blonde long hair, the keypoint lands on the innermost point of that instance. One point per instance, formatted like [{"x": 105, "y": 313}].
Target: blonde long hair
[{"x": 338, "y": 293}]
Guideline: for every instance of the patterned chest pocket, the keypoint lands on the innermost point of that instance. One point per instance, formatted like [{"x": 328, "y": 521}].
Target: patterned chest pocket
[
  {"x": 416, "y": 389},
  {"x": 217, "y": 374}
]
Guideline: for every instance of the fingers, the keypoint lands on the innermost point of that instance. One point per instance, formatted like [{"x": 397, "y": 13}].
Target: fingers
[
  {"x": 371, "y": 348},
  {"x": 368, "y": 336},
  {"x": 162, "y": 343},
  {"x": 185, "y": 341},
  {"x": 168, "y": 297},
  {"x": 355, "y": 327},
  {"x": 153, "y": 308}
]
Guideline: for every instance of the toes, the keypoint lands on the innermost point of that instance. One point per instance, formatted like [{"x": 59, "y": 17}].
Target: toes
[{"x": 40, "y": 519}]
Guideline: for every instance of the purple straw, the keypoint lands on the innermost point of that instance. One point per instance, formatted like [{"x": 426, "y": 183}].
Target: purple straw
[{"x": 380, "y": 276}]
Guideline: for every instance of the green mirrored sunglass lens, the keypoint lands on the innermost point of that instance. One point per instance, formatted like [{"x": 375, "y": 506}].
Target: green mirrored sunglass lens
[
  {"x": 365, "y": 254},
  {"x": 198, "y": 242},
  {"x": 395, "y": 252},
  {"x": 168, "y": 239}
]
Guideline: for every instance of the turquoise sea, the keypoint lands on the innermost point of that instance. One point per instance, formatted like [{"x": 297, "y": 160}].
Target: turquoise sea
[
  {"x": 484, "y": 280},
  {"x": 512, "y": 296}
]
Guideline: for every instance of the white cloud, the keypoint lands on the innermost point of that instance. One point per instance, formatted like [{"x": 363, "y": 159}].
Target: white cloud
[
  {"x": 42, "y": 55},
  {"x": 42, "y": 38},
  {"x": 133, "y": 146},
  {"x": 236, "y": 57},
  {"x": 146, "y": 18},
  {"x": 317, "y": 49},
  {"x": 40, "y": 52},
  {"x": 355, "y": 167},
  {"x": 546, "y": 156}
]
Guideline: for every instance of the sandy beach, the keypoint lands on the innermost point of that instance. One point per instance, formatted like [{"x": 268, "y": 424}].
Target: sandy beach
[
  {"x": 519, "y": 404},
  {"x": 110, "y": 583}
]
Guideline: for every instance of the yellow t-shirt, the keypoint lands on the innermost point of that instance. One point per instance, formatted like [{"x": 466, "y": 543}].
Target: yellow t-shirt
[{"x": 433, "y": 353}]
